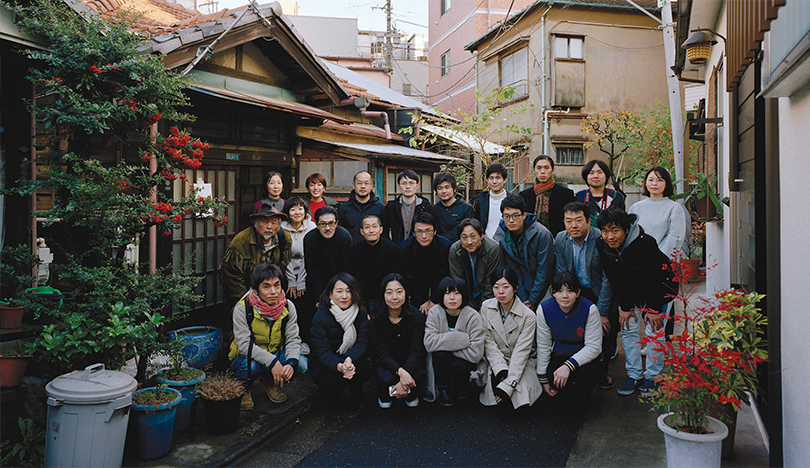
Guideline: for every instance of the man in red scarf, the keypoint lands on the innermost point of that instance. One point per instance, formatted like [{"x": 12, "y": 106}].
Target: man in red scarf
[{"x": 547, "y": 198}]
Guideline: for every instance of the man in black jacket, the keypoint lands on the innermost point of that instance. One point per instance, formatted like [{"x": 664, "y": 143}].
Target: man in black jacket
[
  {"x": 326, "y": 250},
  {"x": 547, "y": 198},
  {"x": 449, "y": 210},
  {"x": 372, "y": 258},
  {"x": 642, "y": 284},
  {"x": 362, "y": 201},
  {"x": 400, "y": 212},
  {"x": 425, "y": 262}
]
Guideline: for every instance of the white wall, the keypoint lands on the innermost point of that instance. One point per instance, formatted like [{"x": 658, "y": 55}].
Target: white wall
[{"x": 794, "y": 120}]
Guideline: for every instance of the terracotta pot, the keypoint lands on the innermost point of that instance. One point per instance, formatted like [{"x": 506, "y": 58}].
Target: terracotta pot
[
  {"x": 694, "y": 268},
  {"x": 10, "y": 316},
  {"x": 704, "y": 208},
  {"x": 12, "y": 370}
]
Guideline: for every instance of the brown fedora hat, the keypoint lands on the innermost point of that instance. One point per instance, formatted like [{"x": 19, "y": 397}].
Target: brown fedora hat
[{"x": 267, "y": 210}]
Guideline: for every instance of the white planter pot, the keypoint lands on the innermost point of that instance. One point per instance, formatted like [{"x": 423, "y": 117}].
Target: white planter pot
[{"x": 687, "y": 450}]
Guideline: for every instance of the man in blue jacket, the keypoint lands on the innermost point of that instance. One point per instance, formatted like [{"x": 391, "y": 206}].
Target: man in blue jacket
[
  {"x": 528, "y": 248},
  {"x": 361, "y": 203},
  {"x": 575, "y": 251}
]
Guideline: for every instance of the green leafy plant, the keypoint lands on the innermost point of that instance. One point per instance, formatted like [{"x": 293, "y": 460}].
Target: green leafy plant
[
  {"x": 221, "y": 386},
  {"x": 30, "y": 452},
  {"x": 154, "y": 396},
  {"x": 702, "y": 186},
  {"x": 101, "y": 99},
  {"x": 17, "y": 264},
  {"x": 471, "y": 136}
]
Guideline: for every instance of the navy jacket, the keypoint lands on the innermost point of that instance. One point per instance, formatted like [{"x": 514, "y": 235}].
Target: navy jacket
[
  {"x": 424, "y": 267},
  {"x": 326, "y": 336},
  {"x": 392, "y": 217},
  {"x": 351, "y": 213},
  {"x": 536, "y": 266},
  {"x": 370, "y": 263},
  {"x": 450, "y": 217},
  {"x": 564, "y": 253}
]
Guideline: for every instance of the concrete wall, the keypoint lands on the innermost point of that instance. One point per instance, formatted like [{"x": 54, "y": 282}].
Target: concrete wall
[
  {"x": 794, "y": 120},
  {"x": 341, "y": 40},
  {"x": 413, "y": 72}
]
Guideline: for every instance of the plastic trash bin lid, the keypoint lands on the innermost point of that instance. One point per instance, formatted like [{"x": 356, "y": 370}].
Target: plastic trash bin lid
[{"x": 92, "y": 385}]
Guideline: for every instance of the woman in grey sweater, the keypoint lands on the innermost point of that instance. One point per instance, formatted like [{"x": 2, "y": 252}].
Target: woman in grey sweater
[
  {"x": 662, "y": 218},
  {"x": 454, "y": 337}
]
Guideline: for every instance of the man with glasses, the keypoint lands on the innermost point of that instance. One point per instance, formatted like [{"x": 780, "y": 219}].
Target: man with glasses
[
  {"x": 372, "y": 258},
  {"x": 424, "y": 262},
  {"x": 362, "y": 201},
  {"x": 326, "y": 250},
  {"x": 399, "y": 213},
  {"x": 529, "y": 250},
  {"x": 449, "y": 210}
]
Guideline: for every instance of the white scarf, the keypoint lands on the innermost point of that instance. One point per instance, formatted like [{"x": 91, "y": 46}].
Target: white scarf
[{"x": 346, "y": 320}]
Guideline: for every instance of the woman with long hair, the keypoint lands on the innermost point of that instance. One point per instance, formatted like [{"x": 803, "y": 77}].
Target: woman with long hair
[
  {"x": 397, "y": 345},
  {"x": 339, "y": 341},
  {"x": 510, "y": 327},
  {"x": 275, "y": 185}
]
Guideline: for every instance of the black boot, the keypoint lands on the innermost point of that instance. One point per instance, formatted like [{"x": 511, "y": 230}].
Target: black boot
[{"x": 444, "y": 396}]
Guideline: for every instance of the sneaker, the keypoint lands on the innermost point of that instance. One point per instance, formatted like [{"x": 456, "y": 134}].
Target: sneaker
[
  {"x": 412, "y": 401},
  {"x": 649, "y": 388},
  {"x": 384, "y": 404},
  {"x": 273, "y": 392},
  {"x": 607, "y": 382},
  {"x": 615, "y": 353},
  {"x": 247, "y": 401},
  {"x": 304, "y": 349},
  {"x": 444, "y": 397},
  {"x": 643, "y": 351},
  {"x": 630, "y": 386}
]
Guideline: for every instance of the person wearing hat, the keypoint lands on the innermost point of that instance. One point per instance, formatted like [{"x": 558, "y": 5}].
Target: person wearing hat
[{"x": 263, "y": 242}]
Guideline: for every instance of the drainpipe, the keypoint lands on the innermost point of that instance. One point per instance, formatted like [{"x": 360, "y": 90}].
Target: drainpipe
[
  {"x": 543, "y": 106},
  {"x": 34, "y": 249},
  {"x": 379, "y": 114}
]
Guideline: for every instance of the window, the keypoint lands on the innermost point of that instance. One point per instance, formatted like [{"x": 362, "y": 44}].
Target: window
[
  {"x": 445, "y": 63},
  {"x": 570, "y": 155},
  {"x": 515, "y": 72},
  {"x": 425, "y": 184},
  {"x": 338, "y": 172},
  {"x": 569, "y": 47},
  {"x": 406, "y": 89},
  {"x": 444, "y": 5}
]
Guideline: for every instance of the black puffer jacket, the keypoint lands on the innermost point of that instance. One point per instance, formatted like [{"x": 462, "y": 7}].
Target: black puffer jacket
[
  {"x": 352, "y": 212},
  {"x": 424, "y": 267},
  {"x": 326, "y": 336}
]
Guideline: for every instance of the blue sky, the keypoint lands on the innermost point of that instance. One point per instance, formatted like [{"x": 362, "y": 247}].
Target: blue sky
[{"x": 407, "y": 13}]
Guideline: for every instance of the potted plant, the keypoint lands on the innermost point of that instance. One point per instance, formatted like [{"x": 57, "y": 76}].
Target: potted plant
[
  {"x": 222, "y": 399},
  {"x": 694, "y": 249},
  {"x": 201, "y": 344},
  {"x": 152, "y": 425},
  {"x": 184, "y": 380},
  {"x": 17, "y": 264},
  {"x": 700, "y": 372},
  {"x": 13, "y": 362},
  {"x": 704, "y": 204}
]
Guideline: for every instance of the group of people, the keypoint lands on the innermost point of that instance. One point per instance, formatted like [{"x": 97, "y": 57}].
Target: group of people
[{"x": 518, "y": 296}]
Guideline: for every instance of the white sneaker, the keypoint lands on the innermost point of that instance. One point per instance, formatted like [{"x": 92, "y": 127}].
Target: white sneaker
[
  {"x": 384, "y": 404},
  {"x": 304, "y": 349},
  {"x": 412, "y": 403}
]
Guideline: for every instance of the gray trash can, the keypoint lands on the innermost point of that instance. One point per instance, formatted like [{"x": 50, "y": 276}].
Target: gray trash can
[{"x": 88, "y": 412}]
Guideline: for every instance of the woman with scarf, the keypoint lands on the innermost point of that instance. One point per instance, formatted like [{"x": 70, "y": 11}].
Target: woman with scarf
[
  {"x": 275, "y": 185},
  {"x": 547, "y": 199},
  {"x": 266, "y": 343},
  {"x": 510, "y": 326},
  {"x": 339, "y": 341}
]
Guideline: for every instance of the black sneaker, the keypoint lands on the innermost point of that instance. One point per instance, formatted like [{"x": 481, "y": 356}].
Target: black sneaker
[
  {"x": 444, "y": 397},
  {"x": 607, "y": 383},
  {"x": 630, "y": 386}
]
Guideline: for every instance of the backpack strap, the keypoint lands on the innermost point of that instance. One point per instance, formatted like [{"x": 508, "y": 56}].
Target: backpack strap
[{"x": 249, "y": 318}]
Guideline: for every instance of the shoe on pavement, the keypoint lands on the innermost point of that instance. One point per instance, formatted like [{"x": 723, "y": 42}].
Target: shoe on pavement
[
  {"x": 444, "y": 397},
  {"x": 247, "y": 401},
  {"x": 648, "y": 389},
  {"x": 273, "y": 392},
  {"x": 384, "y": 404},
  {"x": 607, "y": 382},
  {"x": 630, "y": 386},
  {"x": 412, "y": 400}
]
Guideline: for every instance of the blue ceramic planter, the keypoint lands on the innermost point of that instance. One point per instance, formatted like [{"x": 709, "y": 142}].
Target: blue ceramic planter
[
  {"x": 152, "y": 426},
  {"x": 201, "y": 345},
  {"x": 187, "y": 409}
]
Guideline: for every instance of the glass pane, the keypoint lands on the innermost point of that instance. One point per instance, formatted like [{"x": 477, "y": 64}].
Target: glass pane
[
  {"x": 219, "y": 184},
  {"x": 200, "y": 265},
  {"x": 391, "y": 188},
  {"x": 209, "y": 255},
  {"x": 232, "y": 219},
  {"x": 345, "y": 171},
  {"x": 576, "y": 48},
  {"x": 561, "y": 47},
  {"x": 176, "y": 256},
  {"x": 522, "y": 64},
  {"x": 188, "y": 249},
  {"x": 323, "y": 168},
  {"x": 231, "y": 185},
  {"x": 209, "y": 290},
  {"x": 508, "y": 70}
]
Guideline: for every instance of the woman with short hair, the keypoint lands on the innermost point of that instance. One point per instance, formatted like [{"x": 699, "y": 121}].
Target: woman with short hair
[
  {"x": 510, "y": 327},
  {"x": 316, "y": 186},
  {"x": 339, "y": 340},
  {"x": 397, "y": 345},
  {"x": 454, "y": 337},
  {"x": 298, "y": 224}
]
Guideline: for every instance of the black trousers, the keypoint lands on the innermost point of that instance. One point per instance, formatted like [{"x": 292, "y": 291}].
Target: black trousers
[
  {"x": 608, "y": 340},
  {"x": 386, "y": 379},
  {"x": 577, "y": 391},
  {"x": 451, "y": 371}
]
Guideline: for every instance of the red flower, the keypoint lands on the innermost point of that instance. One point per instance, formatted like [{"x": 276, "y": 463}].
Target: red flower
[{"x": 96, "y": 70}]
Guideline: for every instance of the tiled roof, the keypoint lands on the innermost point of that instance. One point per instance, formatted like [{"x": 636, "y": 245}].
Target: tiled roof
[{"x": 159, "y": 17}]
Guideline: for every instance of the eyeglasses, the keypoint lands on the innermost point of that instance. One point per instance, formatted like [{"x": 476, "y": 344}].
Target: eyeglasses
[
  {"x": 327, "y": 224},
  {"x": 422, "y": 232},
  {"x": 408, "y": 183},
  {"x": 512, "y": 217}
]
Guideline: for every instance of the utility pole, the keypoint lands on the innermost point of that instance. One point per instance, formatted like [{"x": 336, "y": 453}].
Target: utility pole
[{"x": 389, "y": 37}]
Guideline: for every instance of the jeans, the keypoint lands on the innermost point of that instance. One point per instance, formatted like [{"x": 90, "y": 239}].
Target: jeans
[
  {"x": 239, "y": 366},
  {"x": 632, "y": 350}
]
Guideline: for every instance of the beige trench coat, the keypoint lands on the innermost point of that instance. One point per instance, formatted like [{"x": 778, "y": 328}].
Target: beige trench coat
[{"x": 508, "y": 346}]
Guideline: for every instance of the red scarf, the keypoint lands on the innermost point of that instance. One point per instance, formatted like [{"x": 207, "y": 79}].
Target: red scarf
[
  {"x": 273, "y": 311},
  {"x": 542, "y": 193}
]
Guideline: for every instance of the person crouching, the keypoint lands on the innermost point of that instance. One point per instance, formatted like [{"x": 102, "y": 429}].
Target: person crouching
[{"x": 266, "y": 343}]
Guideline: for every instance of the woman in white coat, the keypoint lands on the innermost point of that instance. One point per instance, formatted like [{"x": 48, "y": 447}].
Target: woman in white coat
[
  {"x": 454, "y": 337},
  {"x": 510, "y": 327},
  {"x": 299, "y": 224}
]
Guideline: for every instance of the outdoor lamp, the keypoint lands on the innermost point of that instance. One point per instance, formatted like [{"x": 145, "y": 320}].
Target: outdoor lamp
[{"x": 699, "y": 45}]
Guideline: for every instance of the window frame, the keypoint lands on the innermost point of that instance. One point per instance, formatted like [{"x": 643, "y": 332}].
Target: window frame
[
  {"x": 444, "y": 6},
  {"x": 567, "y": 38},
  {"x": 522, "y": 90},
  {"x": 445, "y": 64},
  {"x": 568, "y": 160}
]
